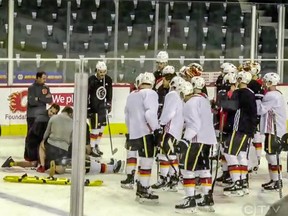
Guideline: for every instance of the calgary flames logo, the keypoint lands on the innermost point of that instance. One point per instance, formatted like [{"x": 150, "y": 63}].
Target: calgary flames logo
[{"x": 16, "y": 101}]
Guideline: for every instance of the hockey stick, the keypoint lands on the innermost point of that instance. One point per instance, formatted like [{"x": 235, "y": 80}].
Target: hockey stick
[
  {"x": 218, "y": 152},
  {"x": 113, "y": 151},
  {"x": 167, "y": 157},
  {"x": 277, "y": 156}
]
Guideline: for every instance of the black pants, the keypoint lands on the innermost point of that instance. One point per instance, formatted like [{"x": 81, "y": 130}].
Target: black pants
[{"x": 30, "y": 122}]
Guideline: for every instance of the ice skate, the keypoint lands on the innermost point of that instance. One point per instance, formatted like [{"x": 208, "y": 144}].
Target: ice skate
[
  {"x": 8, "y": 163},
  {"x": 96, "y": 152},
  {"x": 207, "y": 203},
  {"x": 188, "y": 205},
  {"x": 245, "y": 186},
  {"x": 162, "y": 183},
  {"x": 128, "y": 183},
  {"x": 235, "y": 190},
  {"x": 227, "y": 181},
  {"x": 172, "y": 185},
  {"x": 225, "y": 175},
  {"x": 274, "y": 186},
  {"x": 117, "y": 165},
  {"x": 267, "y": 183},
  {"x": 144, "y": 195},
  {"x": 198, "y": 197}
]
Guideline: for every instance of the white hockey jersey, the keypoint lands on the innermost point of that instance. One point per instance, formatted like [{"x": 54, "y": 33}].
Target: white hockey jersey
[
  {"x": 172, "y": 115},
  {"x": 198, "y": 119},
  {"x": 141, "y": 113},
  {"x": 272, "y": 102}
]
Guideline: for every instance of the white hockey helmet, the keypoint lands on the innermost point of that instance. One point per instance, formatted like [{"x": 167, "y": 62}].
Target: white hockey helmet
[
  {"x": 176, "y": 83},
  {"x": 274, "y": 78},
  {"x": 162, "y": 57},
  {"x": 138, "y": 80},
  {"x": 255, "y": 68},
  {"x": 101, "y": 66},
  {"x": 223, "y": 65},
  {"x": 182, "y": 70},
  {"x": 230, "y": 68},
  {"x": 244, "y": 77},
  {"x": 198, "y": 82},
  {"x": 169, "y": 69},
  {"x": 147, "y": 78},
  {"x": 230, "y": 78},
  {"x": 186, "y": 89}
]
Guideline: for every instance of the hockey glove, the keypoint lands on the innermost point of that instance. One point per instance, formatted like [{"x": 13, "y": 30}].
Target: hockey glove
[
  {"x": 259, "y": 96},
  {"x": 182, "y": 146},
  {"x": 158, "y": 134},
  {"x": 108, "y": 107},
  {"x": 89, "y": 113}
]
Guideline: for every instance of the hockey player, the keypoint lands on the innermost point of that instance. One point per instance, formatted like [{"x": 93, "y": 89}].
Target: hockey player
[
  {"x": 168, "y": 73},
  {"x": 244, "y": 127},
  {"x": 256, "y": 86},
  {"x": 224, "y": 69},
  {"x": 194, "y": 70},
  {"x": 33, "y": 139},
  {"x": 132, "y": 155},
  {"x": 181, "y": 72},
  {"x": 172, "y": 121},
  {"x": 221, "y": 88},
  {"x": 141, "y": 120},
  {"x": 194, "y": 148},
  {"x": 99, "y": 104},
  {"x": 272, "y": 104},
  {"x": 227, "y": 118},
  {"x": 162, "y": 62}
]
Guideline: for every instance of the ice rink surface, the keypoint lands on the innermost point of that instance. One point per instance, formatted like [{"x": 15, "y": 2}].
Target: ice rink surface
[{"x": 110, "y": 199}]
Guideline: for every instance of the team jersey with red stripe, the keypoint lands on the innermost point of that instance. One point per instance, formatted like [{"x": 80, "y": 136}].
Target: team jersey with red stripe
[
  {"x": 141, "y": 113},
  {"x": 199, "y": 120},
  {"x": 272, "y": 102},
  {"x": 172, "y": 115}
]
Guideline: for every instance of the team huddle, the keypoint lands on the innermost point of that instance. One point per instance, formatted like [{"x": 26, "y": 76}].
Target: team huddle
[{"x": 170, "y": 117}]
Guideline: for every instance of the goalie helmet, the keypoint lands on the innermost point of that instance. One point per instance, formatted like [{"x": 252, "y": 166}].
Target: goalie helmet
[
  {"x": 230, "y": 68},
  {"x": 101, "y": 66},
  {"x": 176, "y": 83},
  {"x": 147, "y": 78},
  {"x": 244, "y": 77},
  {"x": 198, "y": 82},
  {"x": 138, "y": 80},
  {"x": 186, "y": 89},
  {"x": 253, "y": 67},
  {"x": 162, "y": 57},
  {"x": 168, "y": 70},
  {"x": 230, "y": 78},
  {"x": 274, "y": 78},
  {"x": 194, "y": 69}
]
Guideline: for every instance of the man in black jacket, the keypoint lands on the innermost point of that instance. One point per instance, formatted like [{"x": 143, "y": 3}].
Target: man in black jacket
[
  {"x": 99, "y": 104},
  {"x": 38, "y": 97}
]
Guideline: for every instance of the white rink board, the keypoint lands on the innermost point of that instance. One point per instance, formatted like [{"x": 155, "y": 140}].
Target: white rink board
[
  {"x": 14, "y": 101},
  {"x": 63, "y": 95}
]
